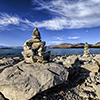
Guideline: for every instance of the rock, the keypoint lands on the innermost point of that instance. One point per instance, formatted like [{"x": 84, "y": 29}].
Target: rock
[
  {"x": 97, "y": 58},
  {"x": 71, "y": 61},
  {"x": 91, "y": 67},
  {"x": 8, "y": 61},
  {"x": 1, "y": 97},
  {"x": 97, "y": 88},
  {"x": 35, "y": 47},
  {"x": 23, "y": 81},
  {"x": 92, "y": 74},
  {"x": 86, "y": 50},
  {"x": 29, "y": 59},
  {"x": 85, "y": 59},
  {"x": 28, "y": 53},
  {"x": 83, "y": 94},
  {"x": 88, "y": 89},
  {"x": 0, "y": 58},
  {"x": 16, "y": 58},
  {"x": 94, "y": 61},
  {"x": 36, "y": 32}
]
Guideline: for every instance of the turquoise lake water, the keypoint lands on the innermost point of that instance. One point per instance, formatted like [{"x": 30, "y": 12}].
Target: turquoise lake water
[{"x": 17, "y": 52}]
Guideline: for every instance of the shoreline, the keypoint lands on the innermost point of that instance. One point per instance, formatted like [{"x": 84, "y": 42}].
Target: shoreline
[{"x": 72, "y": 48}]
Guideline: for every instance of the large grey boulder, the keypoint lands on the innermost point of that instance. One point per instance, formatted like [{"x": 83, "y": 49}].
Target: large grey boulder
[{"x": 23, "y": 81}]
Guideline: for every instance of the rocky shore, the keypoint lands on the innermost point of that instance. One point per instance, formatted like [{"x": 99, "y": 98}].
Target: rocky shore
[{"x": 74, "y": 77}]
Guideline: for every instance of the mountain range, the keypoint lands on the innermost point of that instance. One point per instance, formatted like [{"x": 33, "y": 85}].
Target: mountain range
[
  {"x": 73, "y": 45},
  {"x": 10, "y": 47},
  {"x": 62, "y": 45}
]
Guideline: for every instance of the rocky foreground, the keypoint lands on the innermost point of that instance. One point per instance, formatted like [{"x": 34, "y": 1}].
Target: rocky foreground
[{"x": 73, "y": 77}]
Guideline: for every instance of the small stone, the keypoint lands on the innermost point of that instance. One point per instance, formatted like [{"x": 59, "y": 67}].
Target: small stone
[
  {"x": 1, "y": 97},
  {"x": 97, "y": 88},
  {"x": 61, "y": 92},
  {"x": 44, "y": 97},
  {"x": 88, "y": 89},
  {"x": 83, "y": 94}
]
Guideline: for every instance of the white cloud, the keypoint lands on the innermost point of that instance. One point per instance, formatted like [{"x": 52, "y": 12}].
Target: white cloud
[
  {"x": 6, "y": 20},
  {"x": 70, "y": 14},
  {"x": 73, "y": 37},
  {"x": 24, "y": 24},
  {"x": 55, "y": 42},
  {"x": 58, "y": 38},
  {"x": 67, "y": 14}
]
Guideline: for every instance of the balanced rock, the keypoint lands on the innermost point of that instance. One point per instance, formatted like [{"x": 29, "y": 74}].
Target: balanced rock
[
  {"x": 86, "y": 49},
  {"x": 23, "y": 81},
  {"x": 35, "y": 50}
]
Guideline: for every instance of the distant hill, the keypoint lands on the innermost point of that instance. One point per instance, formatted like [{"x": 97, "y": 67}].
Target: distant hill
[
  {"x": 10, "y": 47},
  {"x": 73, "y": 45},
  {"x": 16, "y": 47},
  {"x": 97, "y": 44},
  {"x": 5, "y": 48},
  {"x": 1, "y": 46},
  {"x": 62, "y": 45}
]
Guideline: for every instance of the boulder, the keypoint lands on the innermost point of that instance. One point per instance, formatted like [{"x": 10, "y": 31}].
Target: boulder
[
  {"x": 71, "y": 61},
  {"x": 8, "y": 61},
  {"x": 23, "y": 81},
  {"x": 97, "y": 58},
  {"x": 91, "y": 67}
]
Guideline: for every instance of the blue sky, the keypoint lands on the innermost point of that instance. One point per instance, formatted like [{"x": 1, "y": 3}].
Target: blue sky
[{"x": 59, "y": 21}]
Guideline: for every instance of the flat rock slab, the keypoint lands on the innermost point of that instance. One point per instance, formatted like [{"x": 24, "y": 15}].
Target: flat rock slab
[
  {"x": 23, "y": 81},
  {"x": 91, "y": 67}
]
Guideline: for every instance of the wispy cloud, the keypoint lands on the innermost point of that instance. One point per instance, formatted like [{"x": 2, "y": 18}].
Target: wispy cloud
[
  {"x": 24, "y": 24},
  {"x": 66, "y": 14},
  {"x": 55, "y": 42},
  {"x": 8, "y": 22},
  {"x": 58, "y": 38},
  {"x": 70, "y": 13},
  {"x": 73, "y": 37}
]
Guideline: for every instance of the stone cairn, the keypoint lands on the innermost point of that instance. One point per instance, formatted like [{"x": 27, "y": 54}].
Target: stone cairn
[
  {"x": 86, "y": 49},
  {"x": 35, "y": 50}
]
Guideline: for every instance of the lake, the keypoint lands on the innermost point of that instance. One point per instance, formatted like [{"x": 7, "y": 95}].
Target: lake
[{"x": 17, "y": 52}]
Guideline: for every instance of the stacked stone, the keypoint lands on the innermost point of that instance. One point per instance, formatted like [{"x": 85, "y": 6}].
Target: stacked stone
[
  {"x": 86, "y": 49},
  {"x": 35, "y": 50}
]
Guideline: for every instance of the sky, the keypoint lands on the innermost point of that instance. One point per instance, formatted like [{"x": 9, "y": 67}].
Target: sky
[{"x": 59, "y": 21}]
